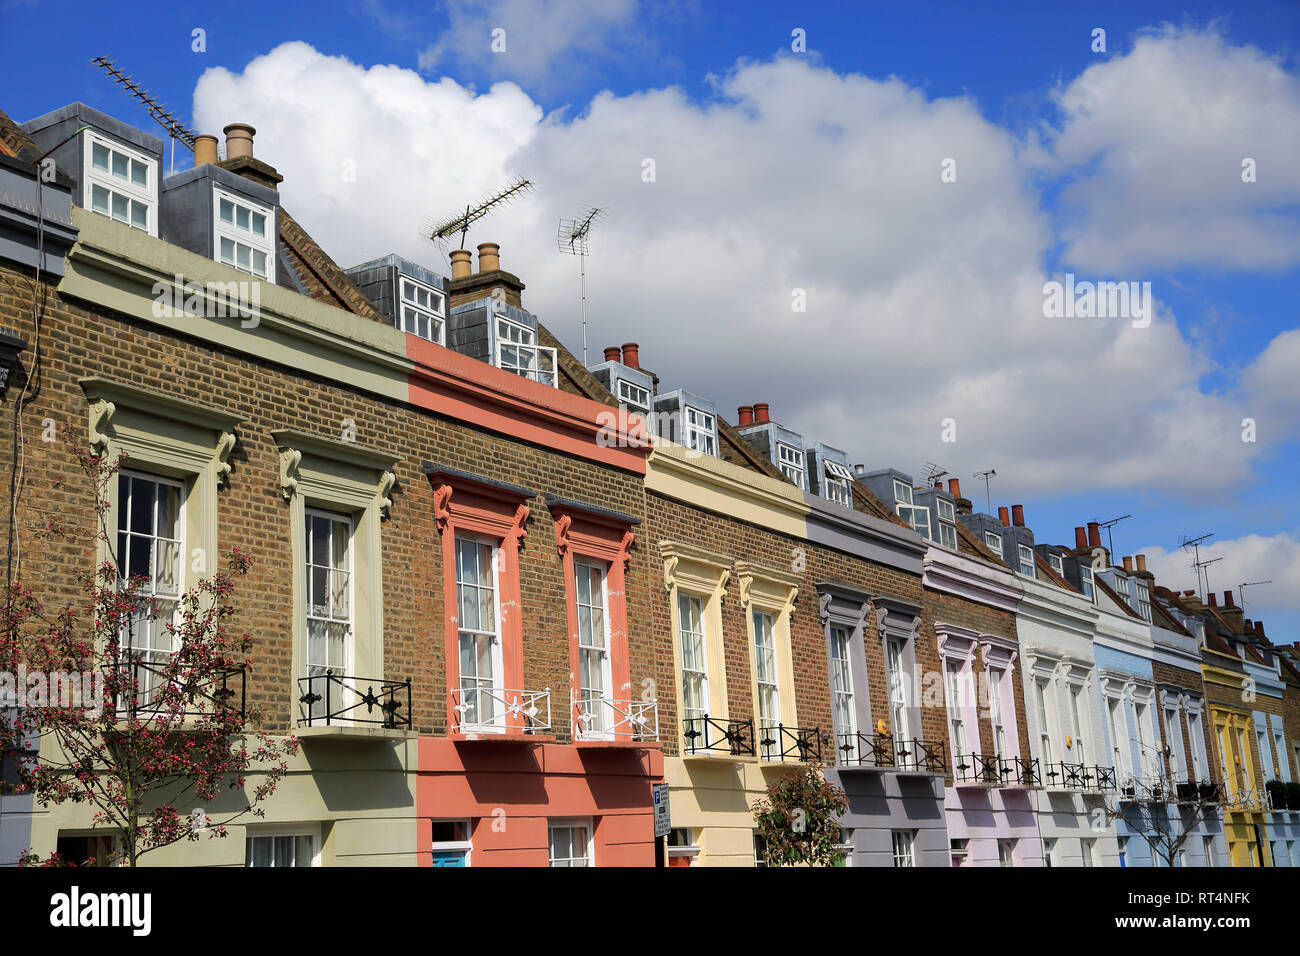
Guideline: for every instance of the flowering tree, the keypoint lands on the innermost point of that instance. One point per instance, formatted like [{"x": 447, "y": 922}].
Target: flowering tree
[
  {"x": 799, "y": 818},
  {"x": 162, "y": 735},
  {"x": 1164, "y": 811}
]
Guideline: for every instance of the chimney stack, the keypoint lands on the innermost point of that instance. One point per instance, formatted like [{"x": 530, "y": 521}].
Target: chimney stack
[
  {"x": 939, "y": 485},
  {"x": 1227, "y": 599},
  {"x": 1094, "y": 534},
  {"x": 745, "y": 415},
  {"x": 205, "y": 150},
  {"x": 489, "y": 257},
  {"x": 239, "y": 141},
  {"x": 1142, "y": 562},
  {"x": 760, "y": 413},
  {"x": 613, "y": 353},
  {"x": 631, "y": 355},
  {"x": 1003, "y": 516},
  {"x": 1259, "y": 631},
  {"x": 460, "y": 264},
  {"x": 954, "y": 487},
  {"x": 1128, "y": 564},
  {"x": 1080, "y": 539},
  {"x": 1018, "y": 515},
  {"x": 1214, "y": 599}
]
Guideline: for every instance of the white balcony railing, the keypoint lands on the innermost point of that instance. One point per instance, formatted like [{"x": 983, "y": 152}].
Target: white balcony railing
[
  {"x": 487, "y": 710},
  {"x": 603, "y": 718}
]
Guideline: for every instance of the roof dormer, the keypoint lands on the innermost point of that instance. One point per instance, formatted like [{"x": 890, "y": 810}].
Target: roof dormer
[{"x": 689, "y": 420}]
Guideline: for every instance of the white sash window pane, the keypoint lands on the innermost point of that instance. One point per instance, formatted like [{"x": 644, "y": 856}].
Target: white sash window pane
[
  {"x": 99, "y": 156},
  {"x": 120, "y": 165},
  {"x": 694, "y": 669},
  {"x": 956, "y": 702},
  {"x": 479, "y": 639},
  {"x": 593, "y": 648}
]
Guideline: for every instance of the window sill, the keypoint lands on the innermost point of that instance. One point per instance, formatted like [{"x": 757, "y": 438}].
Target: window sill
[
  {"x": 345, "y": 732},
  {"x": 502, "y": 737}
]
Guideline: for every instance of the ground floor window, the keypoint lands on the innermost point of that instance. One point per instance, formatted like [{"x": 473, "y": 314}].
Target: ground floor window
[
  {"x": 94, "y": 849},
  {"x": 280, "y": 849},
  {"x": 1209, "y": 850},
  {"x": 760, "y": 850},
  {"x": 452, "y": 842},
  {"x": 904, "y": 848},
  {"x": 1088, "y": 850},
  {"x": 1123, "y": 851},
  {"x": 1049, "y": 853},
  {"x": 570, "y": 842},
  {"x": 1006, "y": 852},
  {"x": 845, "y": 847},
  {"x": 683, "y": 846},
  {"x": 959, "y": 850}
]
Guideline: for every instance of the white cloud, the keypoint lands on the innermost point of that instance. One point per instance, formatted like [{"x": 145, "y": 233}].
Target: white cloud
[
  {"x": 924, "y": 298},
  {"x": 1158, "y": 137},
  {"x": 542, "y": 40},
  {"x": 1272, "y": 386},
  {"x": 1274, "y": 558}
]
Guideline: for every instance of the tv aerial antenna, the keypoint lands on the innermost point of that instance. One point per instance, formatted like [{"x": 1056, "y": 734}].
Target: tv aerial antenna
[
  {"x": 1205, "y": 565},
  {"x": 176, "y": 130},
  {"x": 1110, "y": 535},
  {"x": 1241, "y": 590},
  {"x": 441, "y": 230},
  {"x": 573, "y": 238},
  {"x": 984, "y": 476},
  {"x": 1194, "y": 544},
  {"x": 933, "y": 473}
]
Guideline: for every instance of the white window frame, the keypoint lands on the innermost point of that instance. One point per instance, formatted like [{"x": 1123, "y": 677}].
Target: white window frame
[
  {"x": 846, "y": 846},
  {"x": 1057, "y": 562},
  {"x": 904, "y": 847},
  {"x": 155, "y": 630},
  {"x": 791, "y": 461},
  {"x": 1007, "y": 853},
  {"x": 896, "y": 677},
  {"x": 148, "y": 196},
  {"x": 1208, "y": 848},
  {"x": 955, "y": 683},
  {"x": 1196, "y": 731},
  {"x": 239, "y": 236},
  {"x": 1088, "y": 851},
  {"x": 259, "y": 833},
  {"x": 699, "y": 430},
  {"x": 764, "y": 626},
  {"x": 1142, "y": 595},
  {"x": 998, "y": 713},
  {"x": 684, "y": 601},
  {"x": 1080, "y": 720},
  {"x": 1049, "y": 852},
  {"x": 1026, "y": 555},
  {"x": 496, "y": 689},
  {"x": 1087, "y": 584},
  {"x": 465, "y": 846},
  {"x": 837, "y": 490},
  {"x": 436, "y": 317},
  {"x": 842, "y": 693},
  {"x": 1043, "y": 687},
  {"x": 690, "y": 850},
  {"x": 994, "y": 541},
  {"x": 588, "y": 858},
  {"x": 915, "y": 515},
  {"x": 527, "y": 352},
  {"x": 349, "y": 621},
  {"x": 600, "y": 724},
  {"x": 633, "y": 402},
  {"x": 1279, "y": 744},
  {"x": 947, "y": 522},
  {"x": 958, "y": 851},
  {"x": 1122, "y": 588},
  {"x": 760, "y": 851},
  {"x": 1119, "y": 739}
]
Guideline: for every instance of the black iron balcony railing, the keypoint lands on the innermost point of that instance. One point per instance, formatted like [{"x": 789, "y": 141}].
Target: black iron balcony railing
[
  {"x": 331, "y": 699},
  {"x": 1210, "y": 792},
  {"x": 1078, "y": 776},
  {"x": 865, "y": 750},
  {"x": 923, "y": 755},
  {"x": 779, "y": 742},
  {"x": 996, "y": 771},
  {"x": 144, "y": 690},
  {"x": 706, "y": 735}
]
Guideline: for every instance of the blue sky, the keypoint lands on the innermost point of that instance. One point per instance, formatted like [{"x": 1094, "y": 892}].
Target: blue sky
[{"x": 1113, "y": 165}]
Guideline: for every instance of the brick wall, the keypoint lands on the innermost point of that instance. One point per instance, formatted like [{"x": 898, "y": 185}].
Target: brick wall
[
  {"x": 1190, "y": 680},
  {"x": 80, "y": 342}
]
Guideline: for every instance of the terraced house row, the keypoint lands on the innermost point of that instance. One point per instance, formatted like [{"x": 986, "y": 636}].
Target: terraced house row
[{"x": 500, "y": 596}]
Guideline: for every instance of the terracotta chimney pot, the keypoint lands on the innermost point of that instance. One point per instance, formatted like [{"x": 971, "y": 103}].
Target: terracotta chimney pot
[
  {"x": 1004, "y": 517},
  {"x": 613, "y": 354},
  {"x": 760, "y": 413},
  {"x": 1018, "y": 515},
  {"x": 489, "y": 257},
  {"x": 205, "y": 149},
  {"x": 631, "y": 355},
  {"x": 460, "y": 264},
  {"x": 239, "y": 140}
]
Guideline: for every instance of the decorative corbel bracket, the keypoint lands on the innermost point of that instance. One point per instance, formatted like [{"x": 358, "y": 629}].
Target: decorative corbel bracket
[
  {"x": 101, "y": 414},
  {"x": 625, "y": 547},
  {"x": 562, "y": 525},
  {"x": 386, "y": 482},
  {"x": 225, "y": 445},
  {"x": 442, "y": 506},
  {"x": 290, "y": 460}
]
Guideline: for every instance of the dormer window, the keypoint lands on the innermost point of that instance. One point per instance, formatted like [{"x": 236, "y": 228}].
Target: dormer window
[
  {"x": 947, "y": 523},
  {"x": 917, "y": 518},
  {"x": 1026, "y": 561},
  {"x": 633, "y": 397},
  {"x": 1085, "y": 583},
  {"x": 1057, "y": 563},
  {"x": 423, "y": 311},
  {"x": 994, "y": 541},
  {"x": 518, "y": 352},
  {"x": 1121, "y": 586},
  {"x": 243, "y": 234},
  {"x": 837, "y": 482},
  {"x": 121, "y": 183},
  {"x": 1143, "y": 595},
  {"x": 700, "y": 431},
  {"x": 791, "y": 462}
]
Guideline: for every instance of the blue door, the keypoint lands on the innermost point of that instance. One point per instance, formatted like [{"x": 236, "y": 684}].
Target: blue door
[{"x": 448, "y": 857}]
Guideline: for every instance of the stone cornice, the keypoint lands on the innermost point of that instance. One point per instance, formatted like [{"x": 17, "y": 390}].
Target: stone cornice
[
  {"x": 727, "y": 489},
  {"x": 959, "y": 575}
]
